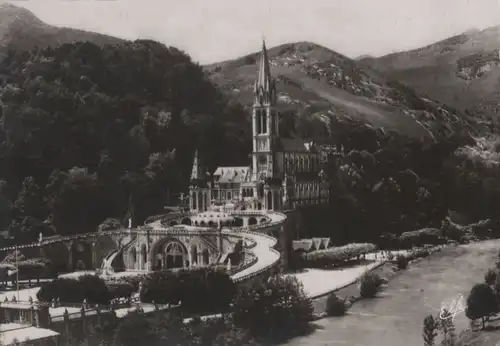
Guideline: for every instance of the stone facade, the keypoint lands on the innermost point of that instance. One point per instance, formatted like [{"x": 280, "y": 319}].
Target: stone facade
[{"x": 285, "y": 172}]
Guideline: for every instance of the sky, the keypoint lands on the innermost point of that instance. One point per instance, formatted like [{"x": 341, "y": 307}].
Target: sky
[{"x": 217, "y": 30}]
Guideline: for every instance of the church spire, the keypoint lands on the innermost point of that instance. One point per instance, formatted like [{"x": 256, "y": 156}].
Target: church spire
[
  {"x": 197, "y": 172},
  {"x": 264, "y": 89}
]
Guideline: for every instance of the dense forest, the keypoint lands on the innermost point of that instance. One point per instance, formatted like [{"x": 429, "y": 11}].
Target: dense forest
[
  {"x": 383, "y": 182},
  {"x": 89, "y": 132}
]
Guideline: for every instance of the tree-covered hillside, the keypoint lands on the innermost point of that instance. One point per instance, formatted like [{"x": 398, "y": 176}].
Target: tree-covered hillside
[
  {"x": 85, "y": 127},
  {"x": 86, "y": 131}
]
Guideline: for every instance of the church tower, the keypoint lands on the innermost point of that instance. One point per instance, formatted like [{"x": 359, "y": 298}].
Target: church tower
[
  {"x": 200, "y": 189},
  {"x": 265, "y": 122}
]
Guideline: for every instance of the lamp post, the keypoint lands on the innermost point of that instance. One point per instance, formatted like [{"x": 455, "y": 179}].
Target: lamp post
[{"x": 17, "y": 272}]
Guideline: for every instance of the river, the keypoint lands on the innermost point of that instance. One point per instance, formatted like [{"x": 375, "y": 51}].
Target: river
[{"x": 395, "y": 318}]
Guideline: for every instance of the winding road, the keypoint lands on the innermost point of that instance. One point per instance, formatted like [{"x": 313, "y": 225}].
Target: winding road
[{"x": 395, "y": 317}]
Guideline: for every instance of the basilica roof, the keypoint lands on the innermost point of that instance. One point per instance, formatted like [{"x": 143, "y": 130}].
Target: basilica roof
[
  {"x": 296, "y": 145},
  {"x": 231, "y": 174}
]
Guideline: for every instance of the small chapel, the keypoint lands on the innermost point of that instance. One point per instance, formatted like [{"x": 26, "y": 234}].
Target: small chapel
[{"x": 285, "y": 172}]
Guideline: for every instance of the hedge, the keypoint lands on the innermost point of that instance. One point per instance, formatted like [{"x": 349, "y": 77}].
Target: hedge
[
  {"x": 421, "y": 237},
  {"x": 133, "y": 281},
  {"x": 339, "y": 254}
]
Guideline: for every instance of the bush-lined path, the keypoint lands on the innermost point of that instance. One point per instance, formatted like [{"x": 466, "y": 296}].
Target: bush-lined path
[{"x": 395, "y": 317}]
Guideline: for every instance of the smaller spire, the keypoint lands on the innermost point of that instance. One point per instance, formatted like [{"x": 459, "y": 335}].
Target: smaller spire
[
  {"x": 195, "y": 173},
  {"x": 198, "y": 172},
  {"x": 264, "y": 86}
]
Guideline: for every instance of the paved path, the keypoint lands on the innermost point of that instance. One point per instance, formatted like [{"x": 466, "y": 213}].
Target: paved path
[
  {"x": 395, "y": 318},
  {"x": 266, "y": 256}
]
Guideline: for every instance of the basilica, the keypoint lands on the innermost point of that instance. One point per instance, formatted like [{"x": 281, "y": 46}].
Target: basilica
[{"x": 285, "y": 172}]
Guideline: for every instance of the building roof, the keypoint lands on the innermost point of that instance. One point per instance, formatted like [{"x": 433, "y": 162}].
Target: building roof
[
  {"x": 231, "y": 174},
  {"x": 296, "y": 145},
  {"x": 10, "y": 332}
]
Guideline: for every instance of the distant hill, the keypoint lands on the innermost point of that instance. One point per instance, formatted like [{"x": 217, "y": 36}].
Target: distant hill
[
  {"x": 324, "y": 84},
  {"x": 462, "y": 71},
  {"x": 20, "y": 28}
]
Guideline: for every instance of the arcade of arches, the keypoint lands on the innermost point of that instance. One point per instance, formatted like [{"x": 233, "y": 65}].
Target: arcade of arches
[
  {"x": 269, "y": 200},
  {"x": 172, "y": 253}
]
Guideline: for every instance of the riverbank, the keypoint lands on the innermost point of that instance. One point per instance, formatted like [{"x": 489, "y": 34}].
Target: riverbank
[{"x": 409, "y": 296}]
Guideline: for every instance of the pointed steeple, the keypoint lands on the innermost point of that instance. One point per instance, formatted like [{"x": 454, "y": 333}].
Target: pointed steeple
[
  {"x": 196, "y": 173},
  {"x": 264, "y": 89}
]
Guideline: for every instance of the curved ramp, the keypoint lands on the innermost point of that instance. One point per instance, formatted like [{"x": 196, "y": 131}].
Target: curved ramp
[{"x": 267, "y": 257}]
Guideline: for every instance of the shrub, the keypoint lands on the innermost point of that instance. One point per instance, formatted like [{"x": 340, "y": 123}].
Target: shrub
[
  {"x": 370, "y": 285},
  {"x": 66, "y": 290},
  {"x": 402, "y": 262},
  {"x": 161, "y": 287},
  {"x": 121, "y": 290},
  {"x": 338, "y": 254},
  {"x": 134, "y": 281},
  {"x": 481, "y": 302},
  {"x": 95, "y": 289},
  {"x": 335, "y": 306},
  {"x": 273, "y": 307},
  {"x": 421, "y": 237},
  {"x": 109, "y": 224},
  {"x": 87, "y": 287},
  {"x": 490, "y": 277}
]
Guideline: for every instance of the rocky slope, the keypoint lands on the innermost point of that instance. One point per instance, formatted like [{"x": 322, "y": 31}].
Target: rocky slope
[
  {"x": 324, "y": 84},
  {"x": 462, "y": 71},
  {"x": 21, "y": 29}
]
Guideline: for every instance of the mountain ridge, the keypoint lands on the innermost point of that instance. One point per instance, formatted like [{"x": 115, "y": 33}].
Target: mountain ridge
[
  {"x": 329, "y": 84},
  {"x": 316, "y": 85},
  {"x": 21, "y": 29},
  {"x": 462, "y": 70}
]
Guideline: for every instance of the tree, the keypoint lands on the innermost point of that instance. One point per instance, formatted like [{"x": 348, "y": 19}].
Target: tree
[
  {"x": 273, "y": 307},
  {"x": 402, "y": 262},
  {"x": 335, "y": 306},
  {"x": 481, "y": 302},
  {"x": 95, "y": 289},
  {"x": 447, "y": 327},
  {"x": 430, "y": 329},
  {"x": 29, "y": 201},
  {"x": 161, "y": 329},
  {"x": 490, "y": 277},
  {"x": 191, "y": 287},
  {"x": 86, "y": 106},
  {"x": 370, "y": 285},
  {"x": 109, "y": 224}
]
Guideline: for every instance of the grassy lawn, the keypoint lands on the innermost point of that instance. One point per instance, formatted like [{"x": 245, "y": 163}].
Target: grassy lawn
[{"x": 395, "y": 317}]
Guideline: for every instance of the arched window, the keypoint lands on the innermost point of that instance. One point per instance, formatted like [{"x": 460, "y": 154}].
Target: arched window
[
  {"x": 174, "y": 255},
  {"x": 258, "y": 121},
  {"x": 206, "y": 257},
  {"x": 200, "y": 201},
  {"x": 194, "y": 255},
  {"x": 269, "y": 200},
  {"x": 264, "y": 122},
  {"x": 133, "y": 256},
  {"x": 193, "y": 198},
  {"x": 144, "y": 256}
]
